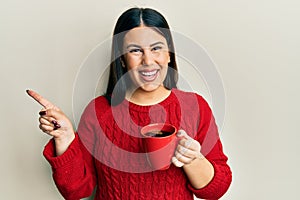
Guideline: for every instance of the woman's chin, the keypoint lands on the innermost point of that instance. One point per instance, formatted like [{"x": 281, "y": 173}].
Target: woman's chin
[{"x": 150, "y": 87}]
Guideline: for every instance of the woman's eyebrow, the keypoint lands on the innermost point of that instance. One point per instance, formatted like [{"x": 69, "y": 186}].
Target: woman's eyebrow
[
  {"x": 133, "y": 45},
  {"x": 138, "y": 46},
  {"x": 156, "y": 43}
]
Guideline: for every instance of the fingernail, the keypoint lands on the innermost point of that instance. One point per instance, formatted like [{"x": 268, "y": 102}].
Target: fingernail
[
  {"x": 56, "y": 126},
  {"x": 179, "y": 133},
  {"x": 43, "y": 112}
]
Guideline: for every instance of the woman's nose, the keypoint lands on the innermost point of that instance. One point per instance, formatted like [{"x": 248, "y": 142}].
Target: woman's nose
[{"x": 147, "y": 58}]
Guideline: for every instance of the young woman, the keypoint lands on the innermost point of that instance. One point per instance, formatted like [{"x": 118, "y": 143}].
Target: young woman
[{"x": 106, "y": 150}]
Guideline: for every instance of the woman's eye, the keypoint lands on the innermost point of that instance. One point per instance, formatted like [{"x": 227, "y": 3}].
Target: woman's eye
[
  {"x": 135, "y": 51},
  {"x": 156, "y": 48}
]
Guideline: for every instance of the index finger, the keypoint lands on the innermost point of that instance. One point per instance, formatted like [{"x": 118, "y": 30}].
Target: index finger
[{"x": 41, "y": 100}]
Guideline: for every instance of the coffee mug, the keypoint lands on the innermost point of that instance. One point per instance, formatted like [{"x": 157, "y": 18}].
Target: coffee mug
[{"x": 159, "y": 142}]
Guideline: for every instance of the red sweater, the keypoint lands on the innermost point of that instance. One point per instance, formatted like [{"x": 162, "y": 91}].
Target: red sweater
[{"x": 107, "y": 152}]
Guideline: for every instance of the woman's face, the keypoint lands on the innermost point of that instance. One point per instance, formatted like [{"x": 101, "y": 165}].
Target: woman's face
[{"x": 146, "y": 57}]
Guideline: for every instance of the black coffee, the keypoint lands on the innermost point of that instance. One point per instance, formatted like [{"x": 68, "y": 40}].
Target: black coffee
[{"x": 157, "y": 134}]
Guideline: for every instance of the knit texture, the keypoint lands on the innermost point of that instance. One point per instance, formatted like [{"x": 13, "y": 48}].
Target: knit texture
[{"x": 107, "y": 152}]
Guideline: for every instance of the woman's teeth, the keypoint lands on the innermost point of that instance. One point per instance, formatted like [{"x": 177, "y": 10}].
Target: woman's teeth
[
  {"x": 149, "y": 76},
  {"x": 149, "y": 73}
]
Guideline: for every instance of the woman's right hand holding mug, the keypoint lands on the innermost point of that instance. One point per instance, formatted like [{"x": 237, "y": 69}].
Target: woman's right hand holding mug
[{"x": 54, "y": 123}]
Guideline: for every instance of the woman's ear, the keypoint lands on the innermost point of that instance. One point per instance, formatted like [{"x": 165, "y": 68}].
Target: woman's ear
[{"x": 122, "y": 62}]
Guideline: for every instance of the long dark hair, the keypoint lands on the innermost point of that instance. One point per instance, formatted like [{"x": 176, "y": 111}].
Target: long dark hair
[{"x": 132, "y": 18}]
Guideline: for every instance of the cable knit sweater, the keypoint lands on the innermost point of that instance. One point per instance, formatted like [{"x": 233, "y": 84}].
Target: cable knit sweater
[{"x": 107, "y": 152}]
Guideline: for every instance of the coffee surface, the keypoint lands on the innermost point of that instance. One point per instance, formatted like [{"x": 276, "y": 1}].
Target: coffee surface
[{"x": 157, "y": 134}]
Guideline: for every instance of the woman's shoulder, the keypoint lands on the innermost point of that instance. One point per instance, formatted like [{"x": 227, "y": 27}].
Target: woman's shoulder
[
  {"x": 101, "y": 100},
  {"x": 98, "y": 105},
  {"x": 192, "y": 100},
  {"x": 188, "y": 95}
]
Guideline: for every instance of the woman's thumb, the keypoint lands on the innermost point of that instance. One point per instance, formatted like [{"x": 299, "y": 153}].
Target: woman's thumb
[{"x": 182, "y": 134}]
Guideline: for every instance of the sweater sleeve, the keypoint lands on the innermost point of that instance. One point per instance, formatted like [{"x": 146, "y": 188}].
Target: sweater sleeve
[
  {"x": 211, "y": 148},
  {"x": 73, "y": 171}
]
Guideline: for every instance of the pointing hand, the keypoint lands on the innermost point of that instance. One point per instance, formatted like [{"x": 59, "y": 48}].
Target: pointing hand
[{"x": 54, "y": 122}]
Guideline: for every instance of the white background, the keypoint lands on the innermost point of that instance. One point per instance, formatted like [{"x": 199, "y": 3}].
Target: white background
[{"x": 255, "y": 45}]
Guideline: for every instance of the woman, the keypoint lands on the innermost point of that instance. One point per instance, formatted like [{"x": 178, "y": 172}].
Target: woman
[{"x": 141, "y": 90}]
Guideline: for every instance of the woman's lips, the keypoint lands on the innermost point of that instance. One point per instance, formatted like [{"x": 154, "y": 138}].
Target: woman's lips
[{"x": 149, "y": 76}]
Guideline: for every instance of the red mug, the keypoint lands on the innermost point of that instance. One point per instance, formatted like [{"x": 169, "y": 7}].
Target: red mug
[{"x": 159, "y": 142}]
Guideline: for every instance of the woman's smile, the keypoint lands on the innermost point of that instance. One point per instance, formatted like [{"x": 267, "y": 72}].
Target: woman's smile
[{"x": 148, "y": 75}]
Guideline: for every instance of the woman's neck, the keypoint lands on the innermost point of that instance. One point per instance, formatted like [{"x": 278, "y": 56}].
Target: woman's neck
[{"x": 144, "y": 98}]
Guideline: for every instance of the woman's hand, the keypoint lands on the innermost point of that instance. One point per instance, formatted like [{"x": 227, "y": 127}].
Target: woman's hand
[
  {"x": 187, "y": 150},
  {"x": 54, "y": 123},
  {"x": 196, "y": 167}
]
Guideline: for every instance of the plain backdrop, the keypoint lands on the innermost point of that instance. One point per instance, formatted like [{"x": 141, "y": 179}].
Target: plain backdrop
[{"x": 254, "y": 44}]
